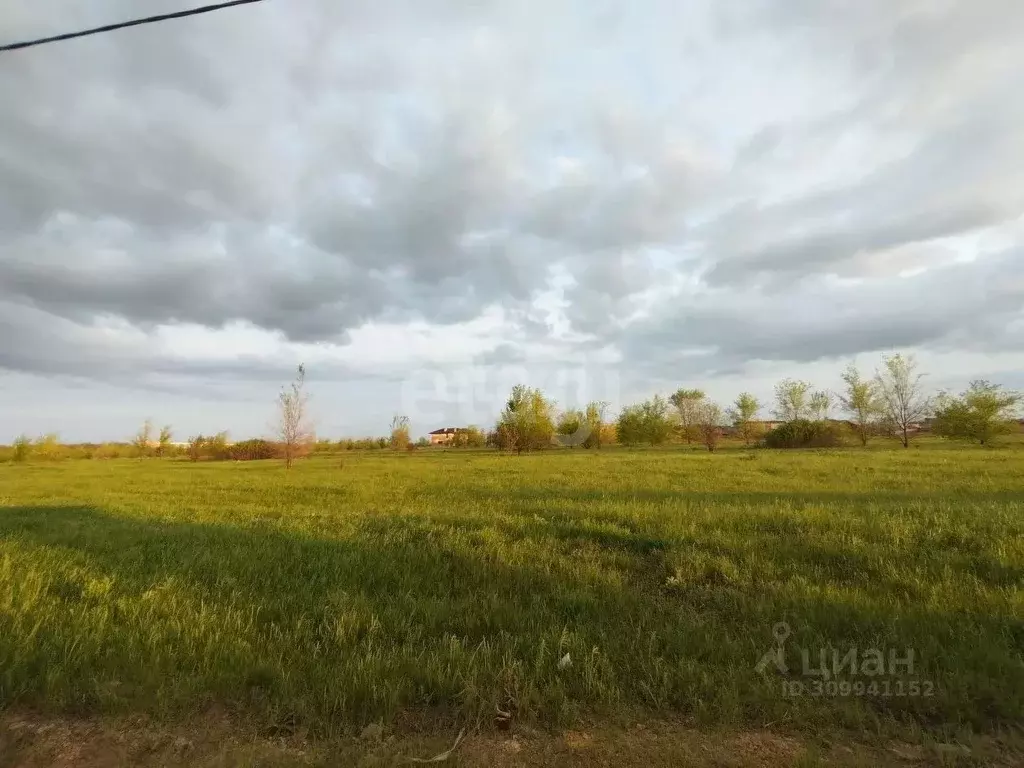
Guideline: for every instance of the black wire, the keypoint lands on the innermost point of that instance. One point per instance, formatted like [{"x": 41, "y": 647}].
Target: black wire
[{"x": 135, "y": 23}]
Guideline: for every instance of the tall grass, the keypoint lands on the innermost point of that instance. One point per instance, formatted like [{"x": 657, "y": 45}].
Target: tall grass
[{"x": 457, "y": 582}]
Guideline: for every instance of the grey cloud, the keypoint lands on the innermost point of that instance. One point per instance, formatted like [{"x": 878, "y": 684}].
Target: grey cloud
[
  {"x": 962, "y": 178},
  {"x": 194, "y": 129},
  {"x": 807, "y": 322},
  {"x": 311, "y": 167},
  {"x": 38, "y": 343},
  {"x": 940, "y": 73}
]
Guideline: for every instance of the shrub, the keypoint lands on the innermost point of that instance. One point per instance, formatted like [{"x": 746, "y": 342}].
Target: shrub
[
  {"x": 256, "y": 449},
  {"x": 399, "y": 440},
  {"x": 112, "y": 451},
  {"x": 47, "y": 447},
  {"x": 647, "y": 422},
  {"x": 527, "y": 423},
  {"x": 470, "y": 437},
  {"x": 801, "y": 433},
  {"x": 214, "y": 448}
]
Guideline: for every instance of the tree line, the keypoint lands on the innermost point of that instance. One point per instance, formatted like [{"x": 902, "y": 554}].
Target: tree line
[{"x": 891, "y": 403}]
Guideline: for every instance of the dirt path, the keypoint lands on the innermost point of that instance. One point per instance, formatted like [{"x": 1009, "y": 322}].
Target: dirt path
[{"x": 61, "y": 743}]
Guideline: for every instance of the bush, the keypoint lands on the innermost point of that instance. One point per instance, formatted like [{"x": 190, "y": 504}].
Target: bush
[
  {"x": 470, "y": 437},
  {"x": 214, "y": 448},
  {"x": 527, "y": 423},
  {"x": 256, "y": 449},
  {"x": 362, "y": 444},
  {"x": 647, "y": 422},
  {"x": 112, "y": 451},
  {"x": 47, "y": 447},
  {"x": 801, "y": 433}
]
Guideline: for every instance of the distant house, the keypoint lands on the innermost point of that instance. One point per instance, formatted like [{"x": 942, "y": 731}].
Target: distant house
[{"x": 445, "y": 435}]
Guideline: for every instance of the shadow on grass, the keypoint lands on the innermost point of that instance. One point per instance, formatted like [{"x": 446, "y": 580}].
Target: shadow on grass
[
  {"x": 798, "y": 499},
  {"x": 399, "y": 613}
]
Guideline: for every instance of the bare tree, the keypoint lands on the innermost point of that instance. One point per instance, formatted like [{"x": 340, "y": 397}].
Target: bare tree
[
  {"x": 861, "y": 401},
  {"x": 195, "y": 447},
  {"x": 709, "y": 423},
  {"x": 400, "y": 433},
  {"x": 293, "y": 427},
  {"x": 904, "y": 403},
  {"x": 687, "y": 403}
]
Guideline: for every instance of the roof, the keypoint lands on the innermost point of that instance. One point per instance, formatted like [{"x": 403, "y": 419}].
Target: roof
[{"x": 447, "y": 431}]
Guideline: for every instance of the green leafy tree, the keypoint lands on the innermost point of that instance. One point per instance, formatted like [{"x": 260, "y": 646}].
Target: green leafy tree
[
  {"x": 595, "y": 418},
  {"x": 742, "y": 414},
  {"x": 164, "y": 441},
  {"x": 982, "y": 412},
  {"x": 470, "y": 437},
  {"x": 629, "y": 427},
  {"x": 904, "y": 403},
  {"x": 657, "y": 424},
  {"x": 687, "y": 403},
  {"x": 527, "y": 423},
  {"x": 474, "y": 437},
  {"x": 647, "y": 422},
  {"x": 860, "y": 399},
  {"x": 792, "y": 400},
  {"x": 572, "y": 428},
  {"x": 820, "y": 403}
]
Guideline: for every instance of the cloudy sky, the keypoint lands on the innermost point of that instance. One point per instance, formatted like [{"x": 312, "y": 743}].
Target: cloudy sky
[{"x": 428, "y": 201}]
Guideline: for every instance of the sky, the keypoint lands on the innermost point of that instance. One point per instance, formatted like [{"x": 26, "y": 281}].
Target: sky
[{"x": 428, "y": 202}]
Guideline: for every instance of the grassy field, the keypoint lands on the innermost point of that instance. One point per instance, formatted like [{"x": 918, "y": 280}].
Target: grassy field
[{"x": 447, "y": 584}]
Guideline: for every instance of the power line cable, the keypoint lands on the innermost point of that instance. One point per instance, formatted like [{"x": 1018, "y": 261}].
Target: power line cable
[{"x": 122, "y": 25}]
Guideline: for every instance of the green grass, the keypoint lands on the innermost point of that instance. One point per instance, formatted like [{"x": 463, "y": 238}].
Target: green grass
[{"x": 451, "y": 582}]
